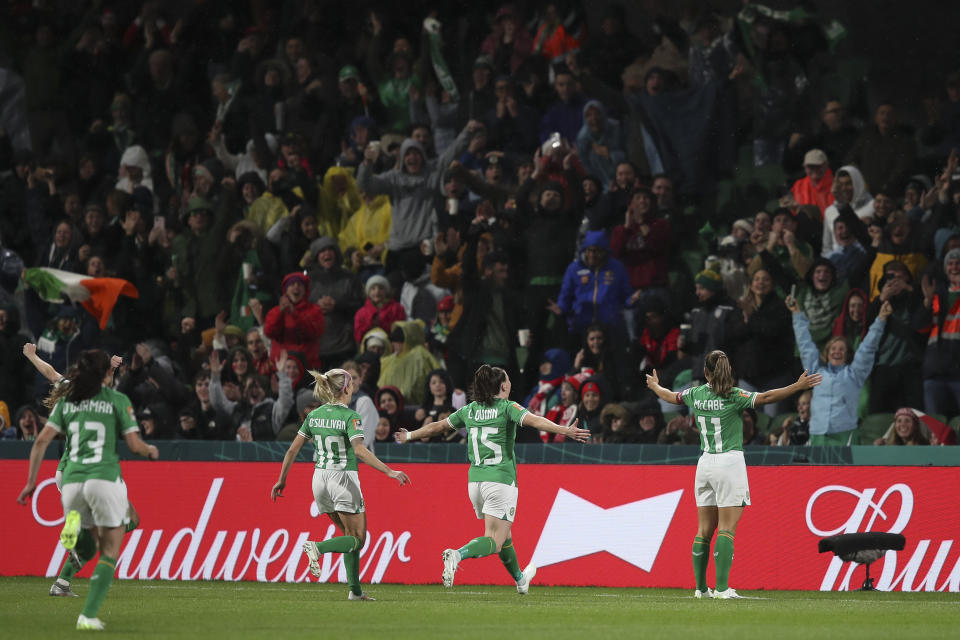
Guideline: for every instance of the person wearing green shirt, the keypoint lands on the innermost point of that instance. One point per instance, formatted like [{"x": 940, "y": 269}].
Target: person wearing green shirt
[
  {"x": 491, "y": 421},
  {"x": 93, "y": 417},
  {"x": 337, "y": 433},
  {"x": 720, "y": 486},
  {"x": 86, "y": 546}
]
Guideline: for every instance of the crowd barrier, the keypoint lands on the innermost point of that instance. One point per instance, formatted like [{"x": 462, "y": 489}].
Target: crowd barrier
[{"x": 623, "y": 525}]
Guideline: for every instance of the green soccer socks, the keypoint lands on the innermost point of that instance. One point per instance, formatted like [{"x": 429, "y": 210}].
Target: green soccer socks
[
  {"x": 341, "y": 544},
  {"x": 508, "y": 556},
  {"x": 99, "y": 585},
  {"x": 351, "y": 563},
  {"x": 478, "y": 548},
  {"x": 701, "y": 558},
  {"x": 723, "y": 557}
]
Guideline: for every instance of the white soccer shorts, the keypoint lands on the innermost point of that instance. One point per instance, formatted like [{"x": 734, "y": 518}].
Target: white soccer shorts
[
  {"x": 101, "y": 503},
  {"x": 337, "y": 491},
  {"x": 493, "y": 499},
  {"x": 721, "y": 480}
]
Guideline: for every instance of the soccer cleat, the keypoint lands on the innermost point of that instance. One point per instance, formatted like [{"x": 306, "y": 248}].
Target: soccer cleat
[
  {"x": 71, "y": 530},
  {"x": 362, "y": 596},
  {"x": 57, "y": 589},
  {"x": 310, "y": 549},
  {"x": 523, "y": 584},
  {"x": 451, "y": 558},
  {"x": 729, "y": 594},
  {"x": 89, "y": 624},
  {"x": 74, "y": 559},
  {"x": 700, "y": 594}
]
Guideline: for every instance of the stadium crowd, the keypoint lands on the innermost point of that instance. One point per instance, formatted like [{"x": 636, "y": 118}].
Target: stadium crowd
[{"x": 296, "y": 185}]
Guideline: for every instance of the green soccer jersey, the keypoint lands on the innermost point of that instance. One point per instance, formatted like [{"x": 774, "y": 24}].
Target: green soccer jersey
[
  {"x": 718, "y": 419},
  {"x": 93, "y": 428},
  {"x": 491, "y": 432},
  {"x": 333, "y": 427}
]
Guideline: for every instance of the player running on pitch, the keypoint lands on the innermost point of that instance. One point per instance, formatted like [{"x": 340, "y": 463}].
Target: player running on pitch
[{"x": 491, "y": 421}]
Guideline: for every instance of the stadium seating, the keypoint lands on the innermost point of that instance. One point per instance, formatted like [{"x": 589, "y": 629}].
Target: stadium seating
[{"x": 874, "y": 426}]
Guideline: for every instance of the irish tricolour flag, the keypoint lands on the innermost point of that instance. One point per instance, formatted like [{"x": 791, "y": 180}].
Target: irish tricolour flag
[{"x": 97, "y": 295}]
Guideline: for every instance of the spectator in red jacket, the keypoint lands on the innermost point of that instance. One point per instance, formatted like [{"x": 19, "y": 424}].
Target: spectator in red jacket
[
  {"x": 380, "y": 309},
  {"x": 642, "y": 243},
  {"x": 816, "y": 187},
  {"x": 295, "y": 324}
]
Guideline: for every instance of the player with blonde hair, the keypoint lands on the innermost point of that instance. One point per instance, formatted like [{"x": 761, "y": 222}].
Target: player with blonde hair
[
  {"x": 720, "y": 486},
  {"x": 337, "y": 433}
]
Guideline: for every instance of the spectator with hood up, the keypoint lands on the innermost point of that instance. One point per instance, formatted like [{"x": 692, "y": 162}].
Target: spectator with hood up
[
  {"x": 339, "y": 294},
  {"x": 295, "y": 324},
  {"x": 820, "y": 297},
  {"x": 848, "y": 188},
  {"x": 408, "y": 367},
  {"x": 600, "y": 143}
]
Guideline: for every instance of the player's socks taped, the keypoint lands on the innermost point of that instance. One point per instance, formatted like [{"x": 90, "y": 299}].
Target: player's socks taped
[
  {"x": 351, "y": 564},
  {"x": 99, "y": 585},
  {"x": 478, "y": 548},
  {"x": 723, "y": 557},
  {"x": 508, "y": 556},
  {"x": 701, "y": 558},
  {"x": 340, "y": 544}
]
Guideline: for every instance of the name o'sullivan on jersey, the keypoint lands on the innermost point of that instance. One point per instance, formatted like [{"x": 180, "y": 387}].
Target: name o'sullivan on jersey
[{"x": 324, "y": 423}]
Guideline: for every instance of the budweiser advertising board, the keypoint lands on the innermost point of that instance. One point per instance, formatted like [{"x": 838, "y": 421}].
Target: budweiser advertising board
[{"x": 616, "y": 525}]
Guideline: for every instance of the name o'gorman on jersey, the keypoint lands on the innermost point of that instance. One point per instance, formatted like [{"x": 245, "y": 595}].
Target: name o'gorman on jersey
[
  {"x": 324, "y": 423},
  {"x": 483, "y": 414},
  {"x": 95, "y": 406},
  {"x": 713, "y": 404}
]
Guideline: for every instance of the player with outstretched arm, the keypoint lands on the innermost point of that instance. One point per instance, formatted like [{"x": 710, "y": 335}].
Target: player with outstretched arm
[
  {"x": 491, "y": 421},
  {"x": 720, "y": 486},
  {"x": 93, "y": 416},
  {"x": 337, "y": 432}
]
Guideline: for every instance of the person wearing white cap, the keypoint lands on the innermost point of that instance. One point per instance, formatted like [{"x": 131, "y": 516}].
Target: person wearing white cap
[{"x": 816, "y": 188}]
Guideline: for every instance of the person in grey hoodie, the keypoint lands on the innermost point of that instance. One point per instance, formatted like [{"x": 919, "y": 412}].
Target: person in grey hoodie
[
  {"x": 413, "y": 188},
  {"x": 848, "y": 188},
  {"x": 833, "y": 410},
  {"x": 339, "y": 293}
]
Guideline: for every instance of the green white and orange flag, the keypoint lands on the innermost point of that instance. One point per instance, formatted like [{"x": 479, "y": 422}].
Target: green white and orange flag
[{"x": 97, "y": 295}]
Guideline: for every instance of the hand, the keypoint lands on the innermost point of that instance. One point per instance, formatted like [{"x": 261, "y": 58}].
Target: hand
[
  {"x": 30, "y": 350},
  {"x": 554, "y": 308},
  {"x": 370, "y": 154},
  {"x": 244, "y": 434},
  {"x": 653, "y": 380},
  {"x": 475, "y": 125},
  {"x": 575, "y": 433},
  {"x": 809, "y": 382},
  {"x": 772, "y": 239},
  {"x": 440, "y": 244},
  {"x": 891, "y": 289},
  {"x": 792, "y": 305},
  {"x": 216, "y": 132},
  {"x": 876, "y": 234},
  {"x": 130, "y": 222},
  {"x": 885, "y": 310},
  {"x": 579, "y": 359},
  {"x": 568, "y": 159},
  {"x": 375, "y": 24},
  {"x": 256, "y": 308},
  {"x": 187, "y": 325},
  {"x": 26, "y": 493},
  {"x": 928, "y": 286},
  {"x": 220, "y": 322},
  {"x": 216, "y": 365},
  {"x": 399, "y": 476},
  {"x": 402, "y": 436},
  {"x": 281, "y": 360},
  {"x": 116, "y": 362},
  {"x": 789, "y": 239},
  {"x": 152, "y": 452},
  {"x": 277, "y": 491},
  {"x": 420, "y": 415},
  {"x": 327, "y": 304},
  {"x": 285, "y": 304}
]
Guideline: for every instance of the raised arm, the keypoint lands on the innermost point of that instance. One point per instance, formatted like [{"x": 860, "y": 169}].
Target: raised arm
[
  {"x": 572, "y": 432},
  {"x": 801, "y": 331},
  {"x": 653, "y": 382},
  {"x": 862, "y": 363},
  {"x": 45, "y": 369},
  {"x": 426, "y": 431},
  {"x": 367, "y": 456},
  {"x": 776, "y": 395}
]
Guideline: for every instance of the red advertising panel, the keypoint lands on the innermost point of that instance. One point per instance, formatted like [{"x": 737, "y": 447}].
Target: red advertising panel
[{"x": 581, "y": 524}]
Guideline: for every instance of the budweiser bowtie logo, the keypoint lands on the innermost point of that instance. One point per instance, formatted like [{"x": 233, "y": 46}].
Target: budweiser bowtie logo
[{"x": 632, "y": 532}]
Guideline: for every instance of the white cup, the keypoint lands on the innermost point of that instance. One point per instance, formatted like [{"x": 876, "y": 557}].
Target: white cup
[
  {"x": 453, "y": 206},
  {"x": 523, "y": 337},
  {"x": 247, "y": 270}
]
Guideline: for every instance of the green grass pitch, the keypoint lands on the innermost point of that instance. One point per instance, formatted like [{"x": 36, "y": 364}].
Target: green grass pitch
[{"x": 210, "y": 610}]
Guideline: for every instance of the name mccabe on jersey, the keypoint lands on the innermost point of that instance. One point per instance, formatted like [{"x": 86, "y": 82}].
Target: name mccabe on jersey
[{"x": 713, "y": 404}]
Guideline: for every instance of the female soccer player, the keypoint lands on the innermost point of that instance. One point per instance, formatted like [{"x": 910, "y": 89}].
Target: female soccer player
[
  {"x": 337, "y": 432},
  {"x": 491, "y": 421},
  {"x": 86, "y": 546},
  {"x": 93, "y": 417},
  {"x": 720, "y": 486}
]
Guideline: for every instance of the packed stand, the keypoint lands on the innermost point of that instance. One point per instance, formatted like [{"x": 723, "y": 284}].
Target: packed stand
[{"x": 228, "y": 199}]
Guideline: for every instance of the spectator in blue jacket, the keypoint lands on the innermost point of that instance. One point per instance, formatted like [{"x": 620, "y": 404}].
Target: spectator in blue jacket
[
  {"x": 600, "y": 143},
  {"x": 833, "y": 410},
  {"x": 595, "y": 290}
]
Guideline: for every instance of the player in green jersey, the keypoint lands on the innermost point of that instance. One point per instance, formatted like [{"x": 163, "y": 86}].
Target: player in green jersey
[
  {"x": 93, "y": 417},
  {"x": 720, "y": 485},
  {"x": 337, "y": 433},
  {"x": 86, "y": 541},
  {"x": 491, "y": 421}
]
